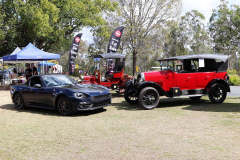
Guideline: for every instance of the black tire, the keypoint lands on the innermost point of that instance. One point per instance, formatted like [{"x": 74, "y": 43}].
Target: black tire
[
  {"x": 64, "y": 106},
  {"x": 127, "y": 95},
  {"x": 18, "y": 102},
  {"x": 148, "y": 98},
  {"x": 217, "y": 93},
  {"x": 195, "y": 98}
]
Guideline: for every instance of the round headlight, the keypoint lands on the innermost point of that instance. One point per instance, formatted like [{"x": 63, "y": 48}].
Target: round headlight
[
  {"x": 142, "y": 77},
  {"x": 82, "y": 77},
  {"x": 80, "y": 95}
]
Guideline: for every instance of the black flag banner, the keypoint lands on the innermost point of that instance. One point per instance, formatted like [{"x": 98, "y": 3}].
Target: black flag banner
[
  {"x": 115, "y": 40},
  {"x": 73, "y": 52}
]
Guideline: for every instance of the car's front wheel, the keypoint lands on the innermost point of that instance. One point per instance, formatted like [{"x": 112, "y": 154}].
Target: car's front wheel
[
  {"x": 128, "y": 96},
  {"x": 148, "y": 98},
  {"x": 18, "y": 102},
  {"x": 64, "y": 106},
  {"x": 217, "y": 93}
]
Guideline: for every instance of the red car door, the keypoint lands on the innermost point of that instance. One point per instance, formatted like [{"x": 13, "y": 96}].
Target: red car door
[
  {"x": 203, "y": 78},
  {"x": 186, "y": 81}
]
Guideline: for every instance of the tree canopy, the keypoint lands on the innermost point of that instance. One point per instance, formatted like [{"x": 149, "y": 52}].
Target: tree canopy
[{"x": 48, "y": 23}]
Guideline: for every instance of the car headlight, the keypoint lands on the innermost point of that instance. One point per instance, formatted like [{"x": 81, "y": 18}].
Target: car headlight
[
  {"x": 81, "y": 95},
  {"x": 82, "y": 77},
  {"x": 142, "y": 77}
]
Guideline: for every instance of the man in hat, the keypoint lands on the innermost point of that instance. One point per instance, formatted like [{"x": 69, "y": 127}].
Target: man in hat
[{"x": 28, "y": 71}]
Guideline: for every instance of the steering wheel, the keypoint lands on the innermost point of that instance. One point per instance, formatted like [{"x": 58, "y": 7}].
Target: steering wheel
[{"x": 183, "y": 71}]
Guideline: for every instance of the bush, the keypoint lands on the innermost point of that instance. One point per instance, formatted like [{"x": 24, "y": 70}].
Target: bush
[
  {"x": 232, "y": 72},
  {"x": 234, "y": 80}
]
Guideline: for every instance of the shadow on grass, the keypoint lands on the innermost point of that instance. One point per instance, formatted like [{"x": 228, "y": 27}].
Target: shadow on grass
[
  {"x": 50, "y": 112},
  {"x": 197, "y": 105}
]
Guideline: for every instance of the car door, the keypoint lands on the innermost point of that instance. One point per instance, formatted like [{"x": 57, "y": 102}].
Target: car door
[
  {"x": 186, "y": 78},
  {"x": 206, "y": 72},
  {"x": 186, "y": 81},
  {"x": 203, "y": 78},
  {"x": 38, "y": 96}
]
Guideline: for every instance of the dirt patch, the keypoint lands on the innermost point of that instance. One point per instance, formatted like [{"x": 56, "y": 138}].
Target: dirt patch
[{"x": 177, "y": 129}]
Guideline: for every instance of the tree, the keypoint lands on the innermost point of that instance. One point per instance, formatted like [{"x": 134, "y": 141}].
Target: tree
[
  {"x": 47, "y": 23},
  {"x": 140, "y": 18},
  {"x": 225, "y": 30}
]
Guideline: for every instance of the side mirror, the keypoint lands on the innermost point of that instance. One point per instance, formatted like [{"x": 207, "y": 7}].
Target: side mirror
[{"x": 37, "y": 86}]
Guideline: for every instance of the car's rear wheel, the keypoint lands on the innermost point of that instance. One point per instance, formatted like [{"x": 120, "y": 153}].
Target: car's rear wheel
[
  {"x": 18, "y": 102},
  {"x": 195, "y": 98},
  {"x": 128, "y": 96},
  {"x": 217, "y": 93},
  {"x": 64, "y": 106},
  {"x": 148, "y": 98}
]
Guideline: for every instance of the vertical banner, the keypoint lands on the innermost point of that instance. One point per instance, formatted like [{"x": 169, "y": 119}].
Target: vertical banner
[
  {"x": 73, "y": 52},
  {"x": 114, "y": 44},
  {"x": 115, "y": 40}
]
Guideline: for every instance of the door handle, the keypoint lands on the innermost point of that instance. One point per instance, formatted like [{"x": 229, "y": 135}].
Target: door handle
[
  {"x": 208, "y": 76},
  {"x": 189, "y": 77}
]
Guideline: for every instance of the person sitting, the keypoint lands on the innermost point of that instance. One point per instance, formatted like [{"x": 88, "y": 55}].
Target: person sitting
[
  {"x": 110, "y": 71},
  {"x": 28, "y": 71}
]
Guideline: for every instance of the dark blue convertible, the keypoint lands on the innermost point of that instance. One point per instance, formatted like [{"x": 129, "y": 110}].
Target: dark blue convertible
[{"x": 60, "y": 92}]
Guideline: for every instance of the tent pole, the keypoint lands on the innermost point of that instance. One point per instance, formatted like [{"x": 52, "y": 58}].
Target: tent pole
[
  {"x": 43, "y": 67},
  {"x": 17, "y": 71},
  {"x": 3, "y": 76},
  {"x": 7, "y": 68}
]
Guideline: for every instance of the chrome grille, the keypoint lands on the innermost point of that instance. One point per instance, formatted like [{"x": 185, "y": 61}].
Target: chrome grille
[{"x": 101, "y": 97}]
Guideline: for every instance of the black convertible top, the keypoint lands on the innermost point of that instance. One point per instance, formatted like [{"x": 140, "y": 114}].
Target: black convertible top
[
  {"x": 110, "y": 55},
  {"x": 198, "y": 56}
]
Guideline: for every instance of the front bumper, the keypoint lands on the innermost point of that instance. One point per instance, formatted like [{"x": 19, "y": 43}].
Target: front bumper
[{"x": 88, "y": 104}]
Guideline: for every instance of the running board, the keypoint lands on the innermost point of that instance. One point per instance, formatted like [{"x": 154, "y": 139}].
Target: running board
[{"x": 190, "y": 95}]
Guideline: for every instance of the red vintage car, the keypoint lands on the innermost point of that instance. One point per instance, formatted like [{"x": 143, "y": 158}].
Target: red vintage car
[
  {"x": 111, "y": 74},
  {"x": 183, "y": 76}
]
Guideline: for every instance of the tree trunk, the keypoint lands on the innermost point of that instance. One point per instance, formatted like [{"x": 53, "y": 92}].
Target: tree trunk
[
  {"x": 134, "y": 62},
  {"x": 40, "y": 45}
]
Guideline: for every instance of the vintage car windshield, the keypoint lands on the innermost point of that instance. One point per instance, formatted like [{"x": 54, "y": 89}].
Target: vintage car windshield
[
  {"x": 57, "y": 80},
  {"x": 166, "y": 65}
]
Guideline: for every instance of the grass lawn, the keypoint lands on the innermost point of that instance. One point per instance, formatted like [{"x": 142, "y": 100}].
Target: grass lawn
[{"x": 177, "y": 129}]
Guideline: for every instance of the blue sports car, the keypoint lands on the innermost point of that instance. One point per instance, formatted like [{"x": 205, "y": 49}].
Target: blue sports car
[{"x": 60, "y": 92}]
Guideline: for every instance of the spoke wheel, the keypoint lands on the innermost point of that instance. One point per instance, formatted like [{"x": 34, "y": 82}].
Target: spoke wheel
[
  {"x": 195, "y": 98},
  {"x": 217, "y": 93},
  {"x": 64, "y": 107},
  {"x": 18, "y": 102},
  {"x": 128, "y": 95},
  {"x": 148, "y": 98}
]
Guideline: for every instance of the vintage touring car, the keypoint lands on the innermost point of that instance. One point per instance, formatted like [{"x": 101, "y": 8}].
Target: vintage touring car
[{"x": 183, "y": 76}]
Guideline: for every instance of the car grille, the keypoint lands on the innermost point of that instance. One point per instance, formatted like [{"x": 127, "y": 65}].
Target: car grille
[
  {"x": 101, "y": 104},
  {"x": 101, "y": 97}
]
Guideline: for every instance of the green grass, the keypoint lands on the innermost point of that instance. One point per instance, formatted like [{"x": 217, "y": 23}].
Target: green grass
[{"x": 176, "y": 129}]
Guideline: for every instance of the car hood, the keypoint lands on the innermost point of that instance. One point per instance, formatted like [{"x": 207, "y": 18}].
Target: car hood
[
  {"x": 156, "y": 75},
  {"x": 86, "y": 88}
]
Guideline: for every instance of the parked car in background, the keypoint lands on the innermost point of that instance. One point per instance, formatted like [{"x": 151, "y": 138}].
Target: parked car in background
[
  {"x": 183, "y": 76},
  {"x": 59, "y": 92}
]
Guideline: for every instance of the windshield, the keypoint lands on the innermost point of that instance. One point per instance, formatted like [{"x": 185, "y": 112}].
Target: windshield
[
  {"x": 166, "y": 65},
  {"x": 57, "y": 80}
]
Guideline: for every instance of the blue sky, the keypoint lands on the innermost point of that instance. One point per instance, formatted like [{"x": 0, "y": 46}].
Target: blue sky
[{"x": 203, "y": 6}]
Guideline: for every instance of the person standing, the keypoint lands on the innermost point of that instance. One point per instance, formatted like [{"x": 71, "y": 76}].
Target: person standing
[
  {"x": 34, "y": 69},
  {"x": 28, "y": 71}
]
